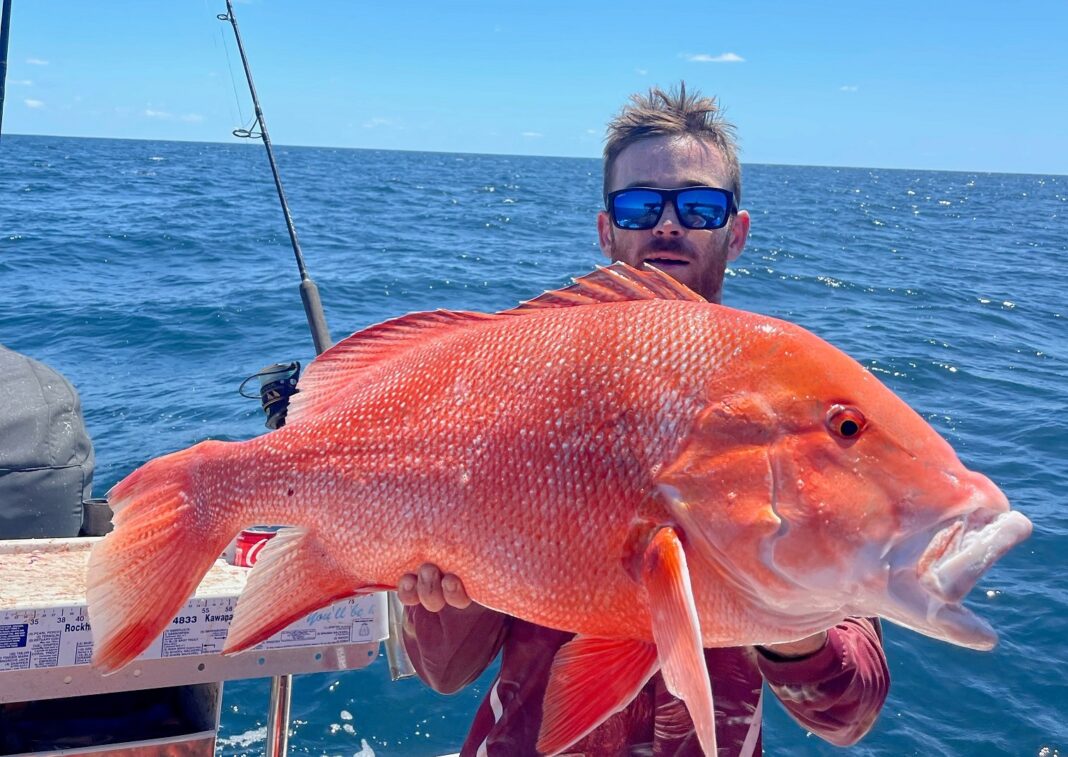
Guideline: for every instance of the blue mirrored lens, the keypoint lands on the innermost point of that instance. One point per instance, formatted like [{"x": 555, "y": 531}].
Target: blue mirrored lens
[
  {"x": 696, "y": 208},
  {"x": 637, "y": 209},
  {"x": 702, "y": 208}
]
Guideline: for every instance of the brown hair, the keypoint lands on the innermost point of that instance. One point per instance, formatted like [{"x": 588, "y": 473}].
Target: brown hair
[{"x": 673, "y": 113}]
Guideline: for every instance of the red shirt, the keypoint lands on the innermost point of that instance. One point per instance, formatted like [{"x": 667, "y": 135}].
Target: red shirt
[{"x": 836, "y": 692}]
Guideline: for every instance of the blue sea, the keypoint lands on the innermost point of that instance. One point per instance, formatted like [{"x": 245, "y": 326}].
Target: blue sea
[{"x": 158, "y": 275}]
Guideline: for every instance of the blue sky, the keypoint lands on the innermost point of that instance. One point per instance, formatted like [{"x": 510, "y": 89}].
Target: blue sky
[{"x": 942, "y": 85}]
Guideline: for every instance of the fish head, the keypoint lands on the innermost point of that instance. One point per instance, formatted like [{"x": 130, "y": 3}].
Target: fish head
[{"x": 822, "y": 494}]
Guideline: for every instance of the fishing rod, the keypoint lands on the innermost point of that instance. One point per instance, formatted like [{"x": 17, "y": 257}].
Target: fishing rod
[
  {"x": 309, "y": 292},
  {"x": 278, "y": 714},
  {"x": 400, "y": 665},
  {"x": 5, "y": 37}
]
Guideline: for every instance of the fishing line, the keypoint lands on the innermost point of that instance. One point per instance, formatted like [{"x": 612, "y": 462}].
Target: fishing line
[
  {"x": 238, "y": 116},
  {"x": 237, "y": 99},
  {"x": 229, "y": 65}
]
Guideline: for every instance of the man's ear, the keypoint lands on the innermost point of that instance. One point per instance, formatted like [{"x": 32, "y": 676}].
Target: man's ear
[
  {"x": 604, "y": 233},
  {"x": 739, "y": 234}
]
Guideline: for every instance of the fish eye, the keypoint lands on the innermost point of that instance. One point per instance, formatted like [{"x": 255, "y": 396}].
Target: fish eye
[{"x": 845, "y": 422}]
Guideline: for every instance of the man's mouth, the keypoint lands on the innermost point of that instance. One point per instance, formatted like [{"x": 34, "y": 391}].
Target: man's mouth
[{"x": 665, "y": 262}]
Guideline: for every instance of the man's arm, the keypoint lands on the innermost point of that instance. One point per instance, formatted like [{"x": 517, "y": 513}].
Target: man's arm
[
  {"x": 449, "y": 638},
  {"x": 838, "y": 690}
]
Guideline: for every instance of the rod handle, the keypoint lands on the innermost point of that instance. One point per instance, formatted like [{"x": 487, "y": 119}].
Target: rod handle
[{"x": 313, "y": 309}]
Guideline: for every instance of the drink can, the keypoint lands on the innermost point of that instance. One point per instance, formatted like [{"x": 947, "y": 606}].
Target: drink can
[{"x": 250, "y": 542}]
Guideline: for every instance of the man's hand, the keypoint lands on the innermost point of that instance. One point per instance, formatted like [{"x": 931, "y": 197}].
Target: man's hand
[
  {"x": 432, "y": 589},
  {"x": 799, "y": 648}
]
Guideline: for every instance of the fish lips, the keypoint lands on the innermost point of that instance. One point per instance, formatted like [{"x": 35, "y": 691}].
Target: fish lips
[{"x": 932, "y": 572}]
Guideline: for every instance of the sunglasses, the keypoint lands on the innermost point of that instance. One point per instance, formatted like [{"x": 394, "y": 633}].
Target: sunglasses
[{"x": 640, "y": 208}]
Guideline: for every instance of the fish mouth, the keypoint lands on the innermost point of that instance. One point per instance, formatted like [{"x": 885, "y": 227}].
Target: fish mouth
[{"x": 932, "y": 572}]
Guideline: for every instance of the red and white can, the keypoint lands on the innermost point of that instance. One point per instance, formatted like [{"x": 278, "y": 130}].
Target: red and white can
[{"x": 251, "y": 542}]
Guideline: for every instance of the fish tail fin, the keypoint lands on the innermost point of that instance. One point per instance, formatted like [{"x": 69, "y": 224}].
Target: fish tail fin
[{"x": 167, "y": 535}]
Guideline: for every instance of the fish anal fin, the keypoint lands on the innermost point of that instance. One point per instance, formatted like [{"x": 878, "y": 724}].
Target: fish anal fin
[
  {"x": 677, "y": 632},
  {"x": 591, "y": 679},
  {"x": 618, "y": 282},
  {"x": 293, "y": 577}
]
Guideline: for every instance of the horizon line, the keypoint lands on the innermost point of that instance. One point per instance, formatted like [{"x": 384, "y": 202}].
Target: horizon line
[{"x": 525, "y": 155}]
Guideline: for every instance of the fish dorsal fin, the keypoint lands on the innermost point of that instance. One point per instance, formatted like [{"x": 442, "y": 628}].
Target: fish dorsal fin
[
  {"x": 342, "y": 363},
  {"x": 346, "y": 360},
  {"x": 618, "y": 282}
]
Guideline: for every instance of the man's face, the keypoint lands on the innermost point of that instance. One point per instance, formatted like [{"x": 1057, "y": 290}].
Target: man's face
[{"x": 695, "y": 257}]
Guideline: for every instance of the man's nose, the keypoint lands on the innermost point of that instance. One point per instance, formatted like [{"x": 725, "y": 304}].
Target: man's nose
[{"x": 668, "y": 225}]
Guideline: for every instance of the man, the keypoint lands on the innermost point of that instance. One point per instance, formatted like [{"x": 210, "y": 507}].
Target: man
[{"x": 672, "y": 185}]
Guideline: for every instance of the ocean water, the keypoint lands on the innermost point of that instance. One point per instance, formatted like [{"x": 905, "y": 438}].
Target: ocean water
[{"x": 157, "y": 275}]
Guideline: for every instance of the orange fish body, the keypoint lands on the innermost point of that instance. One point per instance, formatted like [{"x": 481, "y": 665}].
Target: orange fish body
[{"x": 620, "y": 459}]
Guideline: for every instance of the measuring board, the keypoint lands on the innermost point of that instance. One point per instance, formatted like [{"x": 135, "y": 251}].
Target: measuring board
[{"x": 46, "y": 640}]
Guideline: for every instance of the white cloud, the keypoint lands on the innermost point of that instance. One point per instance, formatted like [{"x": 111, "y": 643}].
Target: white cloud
[
  {"x": 192, "y": 118},
  {"x": 33, "y": 103},
  {"x": 591, "y": 131},
  {"x": 36, "y": 62},
  {"x": 158, "y": 114},
  {"x": 21, "y": 82},
  {"x": 641, "y": 71},
  {"x": 374, "y": 123},
  {"x": 848, "y": 88},
  {"x": 706, "y": 58},
  {"x": 533, "y": 134}
]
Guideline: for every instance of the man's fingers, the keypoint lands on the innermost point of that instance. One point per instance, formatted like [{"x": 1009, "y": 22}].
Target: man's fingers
[
  {"x": 407, "y": 592},
  {"x": 432, "y": 590},
  {"x": 429, "y": 588},
  {"x": 455, "y": 594}
]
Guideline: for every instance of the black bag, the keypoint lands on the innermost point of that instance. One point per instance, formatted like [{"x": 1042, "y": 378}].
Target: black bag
[{"x": 46, "y": 456}]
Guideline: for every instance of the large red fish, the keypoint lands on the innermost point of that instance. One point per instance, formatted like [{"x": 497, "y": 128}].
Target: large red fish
[{"x": 618, "y": 458}]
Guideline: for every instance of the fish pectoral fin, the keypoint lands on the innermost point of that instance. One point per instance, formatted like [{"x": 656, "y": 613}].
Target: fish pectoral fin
[
  {"x": 677, "y": 632},
  {"x": 293, "y": 576},
  {"x": 591, "y": 679}
]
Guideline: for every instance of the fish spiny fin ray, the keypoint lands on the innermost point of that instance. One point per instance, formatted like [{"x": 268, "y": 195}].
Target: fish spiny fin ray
[
  {"x": 165, "y": 537},
  {"x": 591, "y": 679},
  {"x": 677, "y": 632},
  {"x": 351, "y": 357},
  {"x": 618, "y": 282},
  {"x": 294, "y": 576}
]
